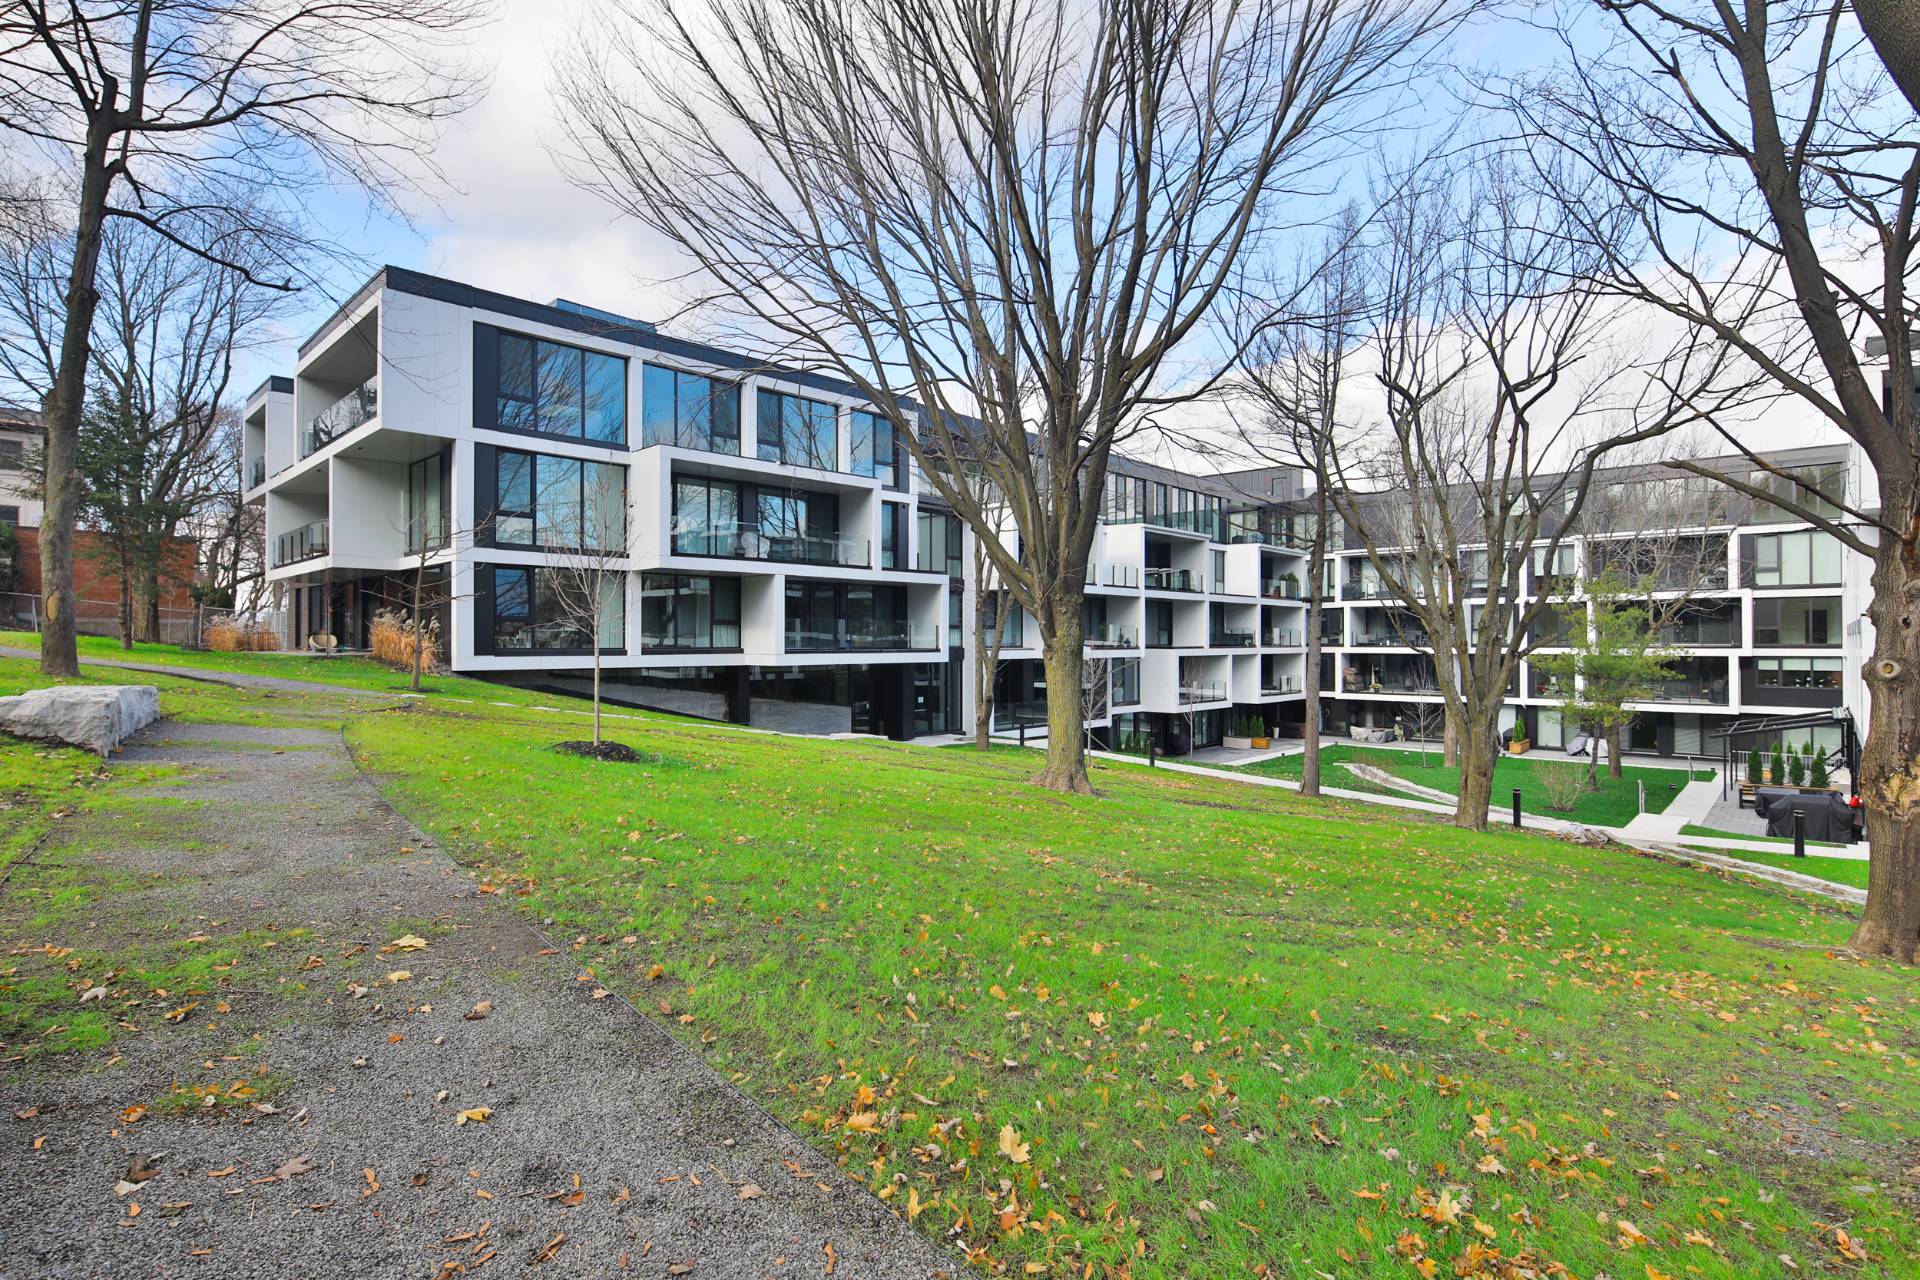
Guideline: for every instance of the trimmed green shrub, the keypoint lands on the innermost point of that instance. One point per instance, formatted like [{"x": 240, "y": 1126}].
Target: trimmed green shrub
[{"x": 1755, "y": 769}]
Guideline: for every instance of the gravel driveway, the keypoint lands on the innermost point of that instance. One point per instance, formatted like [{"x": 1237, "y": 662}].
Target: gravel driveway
[{"x": 593, "y": 1143}]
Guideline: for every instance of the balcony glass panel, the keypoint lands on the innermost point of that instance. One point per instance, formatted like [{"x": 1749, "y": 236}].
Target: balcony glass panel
[{"x": 354, "y": 409}]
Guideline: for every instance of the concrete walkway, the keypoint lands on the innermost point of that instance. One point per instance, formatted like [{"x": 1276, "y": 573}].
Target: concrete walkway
[{"x": 595, "y": 1144}]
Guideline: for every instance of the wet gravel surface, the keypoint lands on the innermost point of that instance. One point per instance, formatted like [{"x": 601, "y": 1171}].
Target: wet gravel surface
[{"x": 606, "y": 1149}]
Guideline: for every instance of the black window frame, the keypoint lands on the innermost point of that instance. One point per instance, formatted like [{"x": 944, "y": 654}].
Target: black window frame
[
  {"x": 489, "y": 616},
  {"x": 716, "y": 596},
  {"x": 719, "y": 392},
  {"x": 778, "y": 435},
  {"x": 496, "y": 511},
  {"x": 489, "y": 394}
]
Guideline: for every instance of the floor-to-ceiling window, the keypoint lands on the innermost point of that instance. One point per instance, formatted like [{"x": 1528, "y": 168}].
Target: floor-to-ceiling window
[
  {"x": 797, "y": 431},
  {"x": 689, "y": 410},
  {"x": 548, "y": 388}
]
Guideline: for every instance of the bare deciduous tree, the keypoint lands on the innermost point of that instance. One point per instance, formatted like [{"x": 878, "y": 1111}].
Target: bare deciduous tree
[
  {"x": 1499, "y": 400},
  {"x": 158, "y": 112},
  {"x": 998, "y": 221},
  {"x": 1776, "y": 172},
  {"x": 587, "y": 582}
]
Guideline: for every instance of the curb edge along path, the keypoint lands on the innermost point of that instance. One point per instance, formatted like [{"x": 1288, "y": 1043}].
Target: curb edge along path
[{"x": 663, "y": 1148}]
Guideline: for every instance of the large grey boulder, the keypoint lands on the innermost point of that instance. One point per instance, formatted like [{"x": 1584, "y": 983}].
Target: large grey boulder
[{"x": 98, "y": 717}]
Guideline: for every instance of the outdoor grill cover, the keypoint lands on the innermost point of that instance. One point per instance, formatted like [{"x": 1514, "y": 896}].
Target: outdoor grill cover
[{"x": 1829, "y": 817}]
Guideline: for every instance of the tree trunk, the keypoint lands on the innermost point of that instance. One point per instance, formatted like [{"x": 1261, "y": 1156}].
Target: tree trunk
[
  {"x": 149, "y": 597},
  {"x": 125, "y": 602},
  {"x": 1890, "y": 763},
  {"x": 419, "y": 641},
  {"x": 1310, "y": 682},
  {"x": 1066, "y": 749},
  {"x": 986, "y": 652},
  {"x": 59, "y": 648},
  {"x": 1477, "y": 746},
  {"x": 1616, "y": 742},
  {"x": 598, "y": 595},
  {"x": 1449, "y": 741},
  {"x": 1894, "y": 28}
]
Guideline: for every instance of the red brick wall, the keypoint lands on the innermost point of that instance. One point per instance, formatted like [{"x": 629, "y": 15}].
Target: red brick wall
[{"x": 96, "y": 577}]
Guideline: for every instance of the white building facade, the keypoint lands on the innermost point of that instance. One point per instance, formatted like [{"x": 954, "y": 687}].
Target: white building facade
[{"x": 780, "y": 562}]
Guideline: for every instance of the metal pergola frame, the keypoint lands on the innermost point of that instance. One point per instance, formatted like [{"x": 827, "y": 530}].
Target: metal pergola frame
[{"x": 1737, "y": 738}]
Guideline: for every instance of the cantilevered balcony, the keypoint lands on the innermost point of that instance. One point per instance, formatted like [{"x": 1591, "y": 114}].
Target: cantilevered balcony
[
  {"x": 1229, "y": 638},
  {"x": 356, "y": 408},
  {"x": 1174, "y": 580},
  {"x": 749, "y": 542},
  {"x": 308, "y": 542},
  {"x": 872, "y": 635},
  {"x": 1204, "y": 691},
  {"x": 1113, "y": 635}
]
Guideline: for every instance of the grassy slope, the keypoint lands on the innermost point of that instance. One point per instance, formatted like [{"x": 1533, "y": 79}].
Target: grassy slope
[
  {"x": 1847, "y": 871},
  {"x": 1233, "y": 1028},
  {"x": 345, "y": 671},
  {"x": 1693, "y": 829},
  {"x": 1615, "y": 804}
]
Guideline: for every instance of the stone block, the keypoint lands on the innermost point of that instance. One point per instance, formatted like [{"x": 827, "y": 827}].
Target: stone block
[{"x": 98, "y": 717}]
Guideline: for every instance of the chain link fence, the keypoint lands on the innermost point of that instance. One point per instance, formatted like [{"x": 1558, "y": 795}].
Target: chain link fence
[{"x": 182, "y": 626}]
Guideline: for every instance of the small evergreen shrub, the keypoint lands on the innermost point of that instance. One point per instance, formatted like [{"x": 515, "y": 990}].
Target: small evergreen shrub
[{"x": 1755, "y": 770}]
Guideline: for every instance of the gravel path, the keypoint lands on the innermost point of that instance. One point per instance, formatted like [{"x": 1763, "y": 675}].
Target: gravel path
[{"x": 606, "y": 1148}]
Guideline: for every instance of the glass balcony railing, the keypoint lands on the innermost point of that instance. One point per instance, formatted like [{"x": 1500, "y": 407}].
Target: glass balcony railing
[
  {"x": 1031, "y": 712},
  {"x": 851, "y": 636},
  {"x": 1410, "y": 638},
  {"x": 256, "y": 473},
  {"x": 1710, "y": 692},
  {"x": 1114, "y": 635},
  {"x": 1174, "y": 580},
  {"x": 1123, "y": 575},
  {"x": 1287, "y": 588},
  {"x": 1274, "y": 638},
  {"x": 1274, "y": 688},
  {"x": 1210, "y": 523},
  {"x": 354, "y": 409},
  {"x": 747, "y": 542},
  {"x": 308, "y": 542},
  {"x": 1208, "y": 691},
  {"x": 1223, "y": 638},
  {"x": 723, "y": 636}
]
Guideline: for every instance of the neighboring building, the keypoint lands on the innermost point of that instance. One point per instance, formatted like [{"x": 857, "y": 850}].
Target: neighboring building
[
  {"x": 786, "y": 566},
  {"x": 21, "y": 433}
]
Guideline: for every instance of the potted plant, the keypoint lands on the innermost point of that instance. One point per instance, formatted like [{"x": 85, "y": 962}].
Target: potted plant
[
  {"x": 1257, "y": 733},
  {"x": 1249, "y": 734},
  {"x": 1519, "y": 745},
  {"x": 1756, "y": 771},
  {"x": 1796, "y": 769},
  {"x": 1818, "y": 778},
  {"x": 1777, "y": 765}
]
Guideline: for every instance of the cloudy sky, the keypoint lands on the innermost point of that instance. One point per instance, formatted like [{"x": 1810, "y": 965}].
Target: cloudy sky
[{"x": 512, "y": 222}]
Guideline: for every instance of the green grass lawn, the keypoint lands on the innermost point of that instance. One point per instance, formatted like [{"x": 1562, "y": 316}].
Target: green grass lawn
[
  {"x": 1189, "y": 1028},
  {"x": 1615, "y": 804},
  {"x": 344, "y": 670},
  {"x": 1847, "y": 871},
  {"x": 1221, "y": 1029},
  {"x": 1694, "y": 829}
]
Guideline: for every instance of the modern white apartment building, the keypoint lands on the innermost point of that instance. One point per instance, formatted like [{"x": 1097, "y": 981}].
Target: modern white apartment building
[{"x": 782, "y": 563}]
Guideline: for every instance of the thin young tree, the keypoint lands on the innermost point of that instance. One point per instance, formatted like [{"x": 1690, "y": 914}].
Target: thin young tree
[
  {"x": 990, "y": 604},
  {"x": 1776, "y": 169},
  {"x": 1614, "y": 657},
  {"x": 998, "y": 221},
  {"x": 162, "y": 113},
  {"x": 587, "y": 581},
  {"x": 1291, "y": 380}
]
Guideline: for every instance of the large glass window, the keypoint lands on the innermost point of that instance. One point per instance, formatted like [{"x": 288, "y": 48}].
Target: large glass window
[
  {"x": 939, "y": 549},
  {"x": 1803, "y": 558},
  {"x": 553, "y": 388},
  {"x": 1810, "y": 621},
  {"x": 876, "y": 449},
  {"x": 797, "y": 431},
  {"x": 1797, "y": 673},
  {"x": 1817, "y": 488},
  {"x": 427, "y": 503},
  {"x": 1126, "y": 681},
  {"x": 893, "y": 535},
  {"x": 563, "y": 503},
  {"x": 833, "y": 616},
  {"x": 688, "y": 611},
  {"x": 689, "y": 410},
  {"x": 531, "y": 611}
]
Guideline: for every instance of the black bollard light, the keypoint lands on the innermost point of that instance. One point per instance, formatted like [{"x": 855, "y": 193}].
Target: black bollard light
[
  {"x": 1799, "y": 832},
  {"x": 1516, "y": 806}
]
